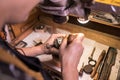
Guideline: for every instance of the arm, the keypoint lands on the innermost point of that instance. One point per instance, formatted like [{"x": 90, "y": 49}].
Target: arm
[
  {"x": 70, "y": 56},
  {"x": 69, "y": 72},
  {"x": 41, "y": 49},
  {"x": 33, "y": 51}
]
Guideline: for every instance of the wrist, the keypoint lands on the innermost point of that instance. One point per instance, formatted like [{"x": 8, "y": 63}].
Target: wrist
[
  {"x": 69, "y": 72},
  {"x": 69, "y": 66},
  {"x": 68, "y": 62}
]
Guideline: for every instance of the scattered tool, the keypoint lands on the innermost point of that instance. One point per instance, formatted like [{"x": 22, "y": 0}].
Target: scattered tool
[
  {"x": 100, "y": 68},
  {"x": 108, "y": 61},
  {"x": 37, "y": 43},
  {"x": 91, "y": 61},
  {"x": 98, "y": 63},
  {"x": 58, "y": 41},
  {"x": 81, "y": 70},
  {"x": 88, "y": 69},
  {"x": 40, "y": 28}
]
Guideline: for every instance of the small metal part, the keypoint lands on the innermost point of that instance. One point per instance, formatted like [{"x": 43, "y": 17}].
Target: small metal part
[
  {"x": 81, "y": 70},
  {"x": 37, "y": 42},
  {"x": 57, "y": 42},
  {"x": 91, "y": 56},
  {"x": 88, "y": 69},
  {"x": 92, "y": 62},
  {"x": 40, "y": 28}
]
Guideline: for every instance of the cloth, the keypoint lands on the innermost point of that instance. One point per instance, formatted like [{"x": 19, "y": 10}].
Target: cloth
[
  {"x": 66, "y": 7},
  {"x": 115, "y": 10},
  {"x": 31, "y": 62}
]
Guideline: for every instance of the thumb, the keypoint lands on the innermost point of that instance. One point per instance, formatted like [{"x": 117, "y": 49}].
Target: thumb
[
  {"x": 64, "y": 43},
  {"x": 80, "y": 36}
]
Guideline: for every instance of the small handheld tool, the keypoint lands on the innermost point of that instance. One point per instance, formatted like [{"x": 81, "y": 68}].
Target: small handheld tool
[
  {"x": 58, "y": 41},
  {"x": 91, "y": 61},
  {"x": 81, "y": 70},
  {"x": 98, "y": 63},
  {"x": 109, "y": 61},
  {"x": 88, "y": 69}
]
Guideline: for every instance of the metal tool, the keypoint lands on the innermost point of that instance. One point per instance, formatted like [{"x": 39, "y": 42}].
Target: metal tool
[
  {"x": 88, "y": 69},
  {"x": 58, "y": 41},
  {"x": 39, "y": 28},
  {"x": 91, "y": 61},
  {"x": 109, "y": 61},
  {"x": 36, "y": 43},
  {"x": 100, "y": 68},
  {"x": 81, "y": 70}
]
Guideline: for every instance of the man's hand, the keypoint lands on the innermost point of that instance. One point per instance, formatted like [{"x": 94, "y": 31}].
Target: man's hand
[
  {"x": 70, "y": 56},
  {"x": 50, "y": 43}
]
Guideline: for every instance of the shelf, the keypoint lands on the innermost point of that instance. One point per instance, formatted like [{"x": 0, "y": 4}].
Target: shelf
[{"x": 104, "y": 23}]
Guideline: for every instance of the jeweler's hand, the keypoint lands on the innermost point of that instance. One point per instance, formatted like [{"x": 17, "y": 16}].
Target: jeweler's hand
[
  {"x": 50, "y": 42},
  {"x": 70, "y": 56}
]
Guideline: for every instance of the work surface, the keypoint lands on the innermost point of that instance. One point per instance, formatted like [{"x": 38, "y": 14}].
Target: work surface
[{"x": 88, "y": 44}]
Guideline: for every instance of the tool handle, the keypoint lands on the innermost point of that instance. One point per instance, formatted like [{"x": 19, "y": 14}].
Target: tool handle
[
  {"x": 98, "y": 62},
  {"x": 110, "y": 61},
  {"x": 96, "y": 76}
]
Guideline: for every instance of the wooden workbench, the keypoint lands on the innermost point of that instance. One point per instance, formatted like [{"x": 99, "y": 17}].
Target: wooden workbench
[{"x": 101, "y": 33}]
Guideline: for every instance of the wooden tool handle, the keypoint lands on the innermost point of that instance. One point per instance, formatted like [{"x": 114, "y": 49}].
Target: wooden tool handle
[
  {"x": 98, "y": 62},
  {"x": 95, "y": 77}
]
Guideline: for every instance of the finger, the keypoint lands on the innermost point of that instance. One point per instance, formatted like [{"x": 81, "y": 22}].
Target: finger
[
  {"x": 57, "y": 35},
  {"x": 62, "y": 35},
  {"x": 54, "y": 51},
  {"x": 64, "y": 43},
  {"x": 80, "y": 36}
]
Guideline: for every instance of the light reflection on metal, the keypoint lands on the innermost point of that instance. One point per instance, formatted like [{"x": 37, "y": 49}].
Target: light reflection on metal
[{"x": 82, "y": 20}]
